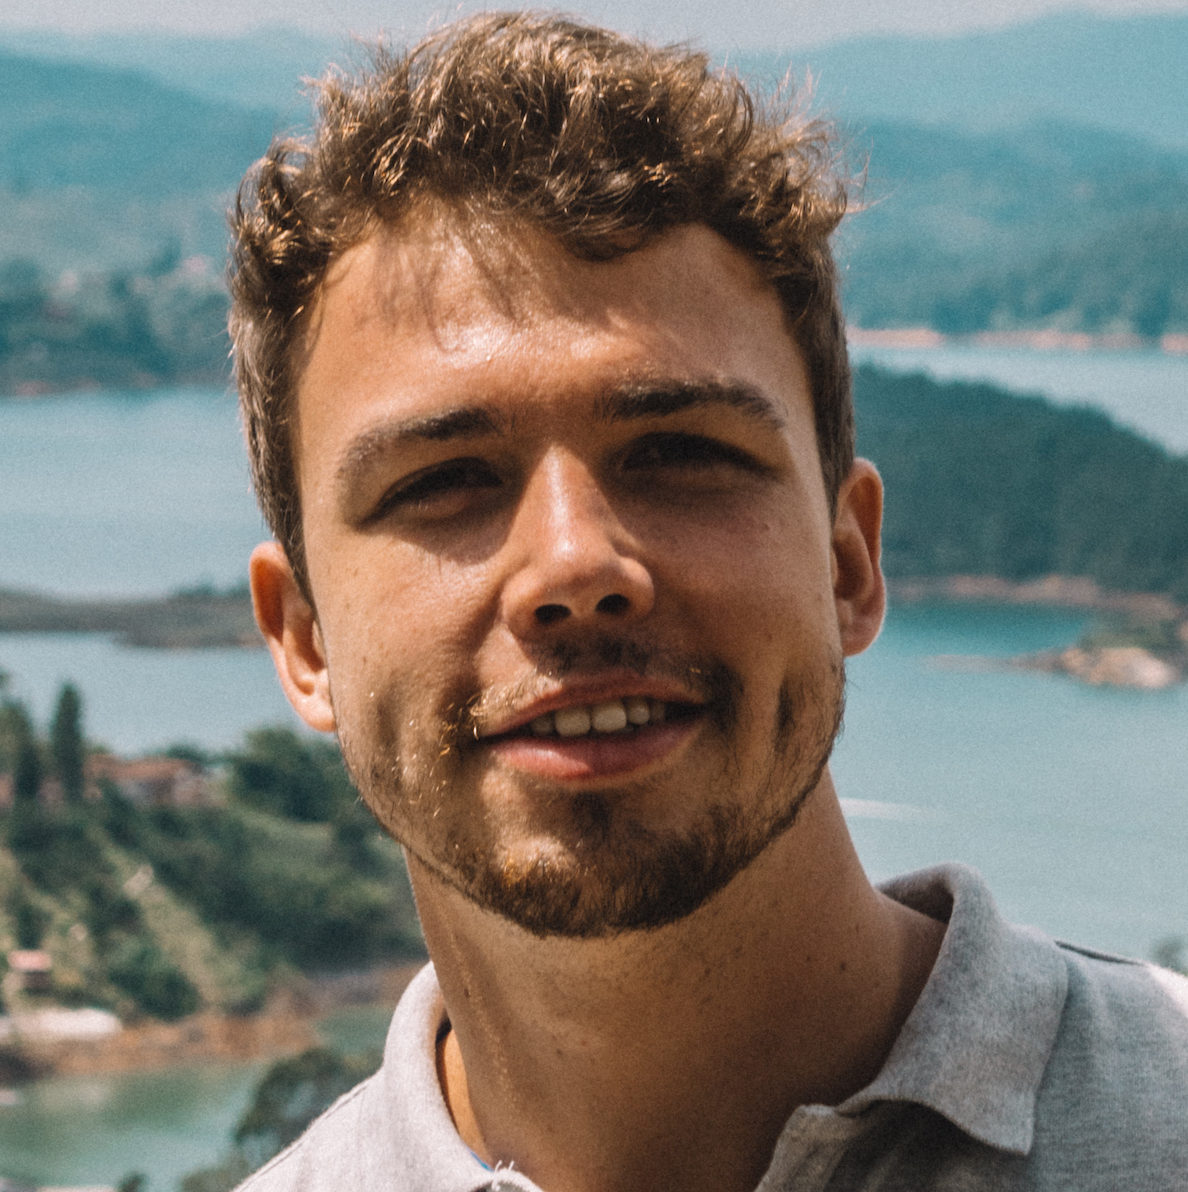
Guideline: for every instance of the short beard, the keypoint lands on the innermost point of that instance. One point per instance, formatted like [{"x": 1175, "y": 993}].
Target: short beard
[
  {"x": 610, "y": 873},
  {"x": 636, "y": 879}
]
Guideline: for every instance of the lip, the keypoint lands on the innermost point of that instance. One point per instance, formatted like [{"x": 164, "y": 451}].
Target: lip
[
  {"x": 580, "y": 693},
  {"x": 582, "y": 760},
  {"x": 586, "y": 759}
]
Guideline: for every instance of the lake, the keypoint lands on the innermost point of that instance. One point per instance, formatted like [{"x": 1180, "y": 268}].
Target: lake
[{"x": 1070, "y": 799}]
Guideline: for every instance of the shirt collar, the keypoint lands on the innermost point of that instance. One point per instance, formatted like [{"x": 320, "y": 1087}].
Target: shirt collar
[
  {"x": 425, "y": 1147},
  {"x": 974, "y": 1047},
  {"x": 976, "y": 1044}
]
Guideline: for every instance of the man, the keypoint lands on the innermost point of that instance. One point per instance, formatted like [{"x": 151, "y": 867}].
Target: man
[{"x": 546, "y": 391}]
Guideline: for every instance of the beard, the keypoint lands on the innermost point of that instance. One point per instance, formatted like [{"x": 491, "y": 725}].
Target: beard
[{"x": 598, "y": 871}]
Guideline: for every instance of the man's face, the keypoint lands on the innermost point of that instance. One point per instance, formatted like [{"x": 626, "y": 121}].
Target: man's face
[{"x": 576, "y": 581}]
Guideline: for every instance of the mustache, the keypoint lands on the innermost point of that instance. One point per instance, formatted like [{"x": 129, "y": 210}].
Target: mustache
[{"x": 707, "y": 680}]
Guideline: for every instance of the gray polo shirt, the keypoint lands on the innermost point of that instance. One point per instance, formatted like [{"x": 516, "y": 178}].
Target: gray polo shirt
[{"x": 1025, "y": 1064}]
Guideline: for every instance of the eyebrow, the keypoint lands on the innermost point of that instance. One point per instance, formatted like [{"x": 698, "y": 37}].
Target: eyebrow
[
  {"x": 464, "y": 422},
  {"x": 636, "y": 400},
  {"x": 655, "y": 400}
]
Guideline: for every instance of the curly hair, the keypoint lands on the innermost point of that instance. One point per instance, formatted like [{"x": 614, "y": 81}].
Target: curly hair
[{"x": 600, "y": 141}]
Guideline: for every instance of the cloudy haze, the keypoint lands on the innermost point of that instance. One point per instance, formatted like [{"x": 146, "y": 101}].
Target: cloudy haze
[{"x": 760, "y": 22}]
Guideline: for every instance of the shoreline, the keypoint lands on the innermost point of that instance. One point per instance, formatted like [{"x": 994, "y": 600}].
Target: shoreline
[
  {"x": 287, "y": 1026},
  {"x": 1051, "y": 591},
  {"x": 1125, "y": 662},
  {"x": 1030, "y": 340},
  {"x": 212, "y": 619},
  {"x": 224, "y": 620},
  {"x": 191, "y": 620},
  {"x": 916, "y": 338}
]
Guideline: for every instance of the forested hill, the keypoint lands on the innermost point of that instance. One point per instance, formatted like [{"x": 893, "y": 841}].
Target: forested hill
[
  {"x": 980, "y": 481},
  {"x": 984, "y": 482},
  {"x": 997, "y": 196},
  {"x": 268, "y": 866}
]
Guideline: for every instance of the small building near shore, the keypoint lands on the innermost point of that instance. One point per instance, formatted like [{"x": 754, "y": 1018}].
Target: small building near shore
[
  {"x": 153, "y": 781},
  {"x": 31, "y": 970}
]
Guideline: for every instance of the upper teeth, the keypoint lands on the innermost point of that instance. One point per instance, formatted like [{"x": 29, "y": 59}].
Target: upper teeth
[{"x": 611, "y": 716}]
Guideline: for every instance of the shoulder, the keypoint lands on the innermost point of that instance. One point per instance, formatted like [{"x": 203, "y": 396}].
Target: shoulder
[
  {"x": 1124, "y": 1012},
  {"x": 1115, "y": 1090},
  {"x": 1123, "y": 1004},
  {"x": 325, "y": 1157}
]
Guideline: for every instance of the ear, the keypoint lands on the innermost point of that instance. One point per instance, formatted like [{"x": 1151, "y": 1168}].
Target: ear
[
  {"x": 290, "y": 626},
  {"x": 859, "y": 593}
]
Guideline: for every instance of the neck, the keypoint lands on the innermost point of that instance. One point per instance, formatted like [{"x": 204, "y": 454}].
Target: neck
[{"x": 673, "y": 1057}]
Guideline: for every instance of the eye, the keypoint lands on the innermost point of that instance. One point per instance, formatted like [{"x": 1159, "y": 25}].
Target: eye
[
  {"x": 680, "y": 450},
  {"x": 444, "y": 490}
]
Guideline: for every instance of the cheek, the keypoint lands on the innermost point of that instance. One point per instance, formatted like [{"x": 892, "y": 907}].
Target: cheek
[
  {"x": 407, "y": 627},
  {"x": 758, "y": 581}
]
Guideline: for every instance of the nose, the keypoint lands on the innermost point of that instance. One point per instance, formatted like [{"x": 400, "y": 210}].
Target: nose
[{"x": 573, "y": 561}]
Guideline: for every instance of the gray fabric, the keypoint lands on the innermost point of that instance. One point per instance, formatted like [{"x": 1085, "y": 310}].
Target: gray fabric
[{"x": 1025, "y": 1064}]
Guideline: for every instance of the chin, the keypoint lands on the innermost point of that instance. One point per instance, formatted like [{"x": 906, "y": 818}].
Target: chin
[{"x": 616, "y": 876}]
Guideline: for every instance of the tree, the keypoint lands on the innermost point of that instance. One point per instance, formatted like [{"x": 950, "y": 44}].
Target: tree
[
  {"x": 67, "y": 747},
  {"x": 284, "y": 773},
  {"x": 27, "y": 769},
  {"x": 12, "y": 713},
  {"x": 158, "y": 987}
]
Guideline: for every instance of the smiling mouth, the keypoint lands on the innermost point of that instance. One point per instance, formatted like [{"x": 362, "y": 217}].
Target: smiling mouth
[{"x": 604, "y": 718}]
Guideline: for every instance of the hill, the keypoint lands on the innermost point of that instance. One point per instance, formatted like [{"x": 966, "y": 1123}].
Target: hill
[
  {"x": 1122, "y": 74},
  {"x": 985, "y": 482},
  {"x": 209, "y": 894},
  {"x": 261, "y": 68},
  {"x": 100, "y": 166},
  {"x": 1007, "y": 187},
  {"x": 1052, "y": 225},
  {"x": 1119, "y": 73}
]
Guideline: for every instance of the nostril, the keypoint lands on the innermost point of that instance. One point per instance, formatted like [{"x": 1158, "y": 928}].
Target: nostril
[
  {"x": 614, "y": 604},
  {"x": 549, "y": 614}
]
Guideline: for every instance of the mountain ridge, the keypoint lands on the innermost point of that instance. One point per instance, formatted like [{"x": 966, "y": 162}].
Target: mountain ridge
[{"x": 956, "y": 78}]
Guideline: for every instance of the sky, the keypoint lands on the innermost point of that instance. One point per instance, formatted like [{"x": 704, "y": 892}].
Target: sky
[{"x": 755, "y": 22}]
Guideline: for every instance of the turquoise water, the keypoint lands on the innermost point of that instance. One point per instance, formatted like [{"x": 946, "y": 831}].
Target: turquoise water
[
  {"x": 137, "y": 699},
  {"x": 92, "y": 1130},
  {"x": 1071, "y": 800},
  {"x": 124, "y": 493}
]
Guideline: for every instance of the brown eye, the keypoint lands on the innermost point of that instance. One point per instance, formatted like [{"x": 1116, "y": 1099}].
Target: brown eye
[
  {"x": 441, "y": 489},
  {"x": 670, "y": 449}
]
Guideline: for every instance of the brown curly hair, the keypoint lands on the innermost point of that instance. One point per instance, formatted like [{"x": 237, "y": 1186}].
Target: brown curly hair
[{"x": 601, "y": 141}]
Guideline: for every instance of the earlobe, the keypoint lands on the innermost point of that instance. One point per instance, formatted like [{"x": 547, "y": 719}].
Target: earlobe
[
  {"x": 290, "y": 627},
  {"x": 858, "y": 589}
]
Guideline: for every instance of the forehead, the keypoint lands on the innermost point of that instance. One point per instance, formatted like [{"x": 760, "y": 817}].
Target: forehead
[{"x": 425, "y": 313}]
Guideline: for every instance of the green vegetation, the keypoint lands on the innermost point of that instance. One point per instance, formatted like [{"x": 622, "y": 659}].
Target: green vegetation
[
  {"x": 984, "y": 482},
  {"x": 282, "y": 774},
  {"x": 161, "y": 909},
  {"x": 115, "y": 186},
  {"x": 185, "y": 620},
  {"x": 107, "y": 171},
  {"x": 66, "y": 743},
  {"x": 1053, "y": 226},
  {"x": 115, "y": 329}
]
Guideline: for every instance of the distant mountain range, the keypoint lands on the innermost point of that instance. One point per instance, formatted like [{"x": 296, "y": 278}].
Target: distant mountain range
[
  {"x": 1126, "y": 74},
  {"x": 1035, "y": 176},
  {"x": 102, "y": 167},
  {"x": 260, "y": 69}
]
